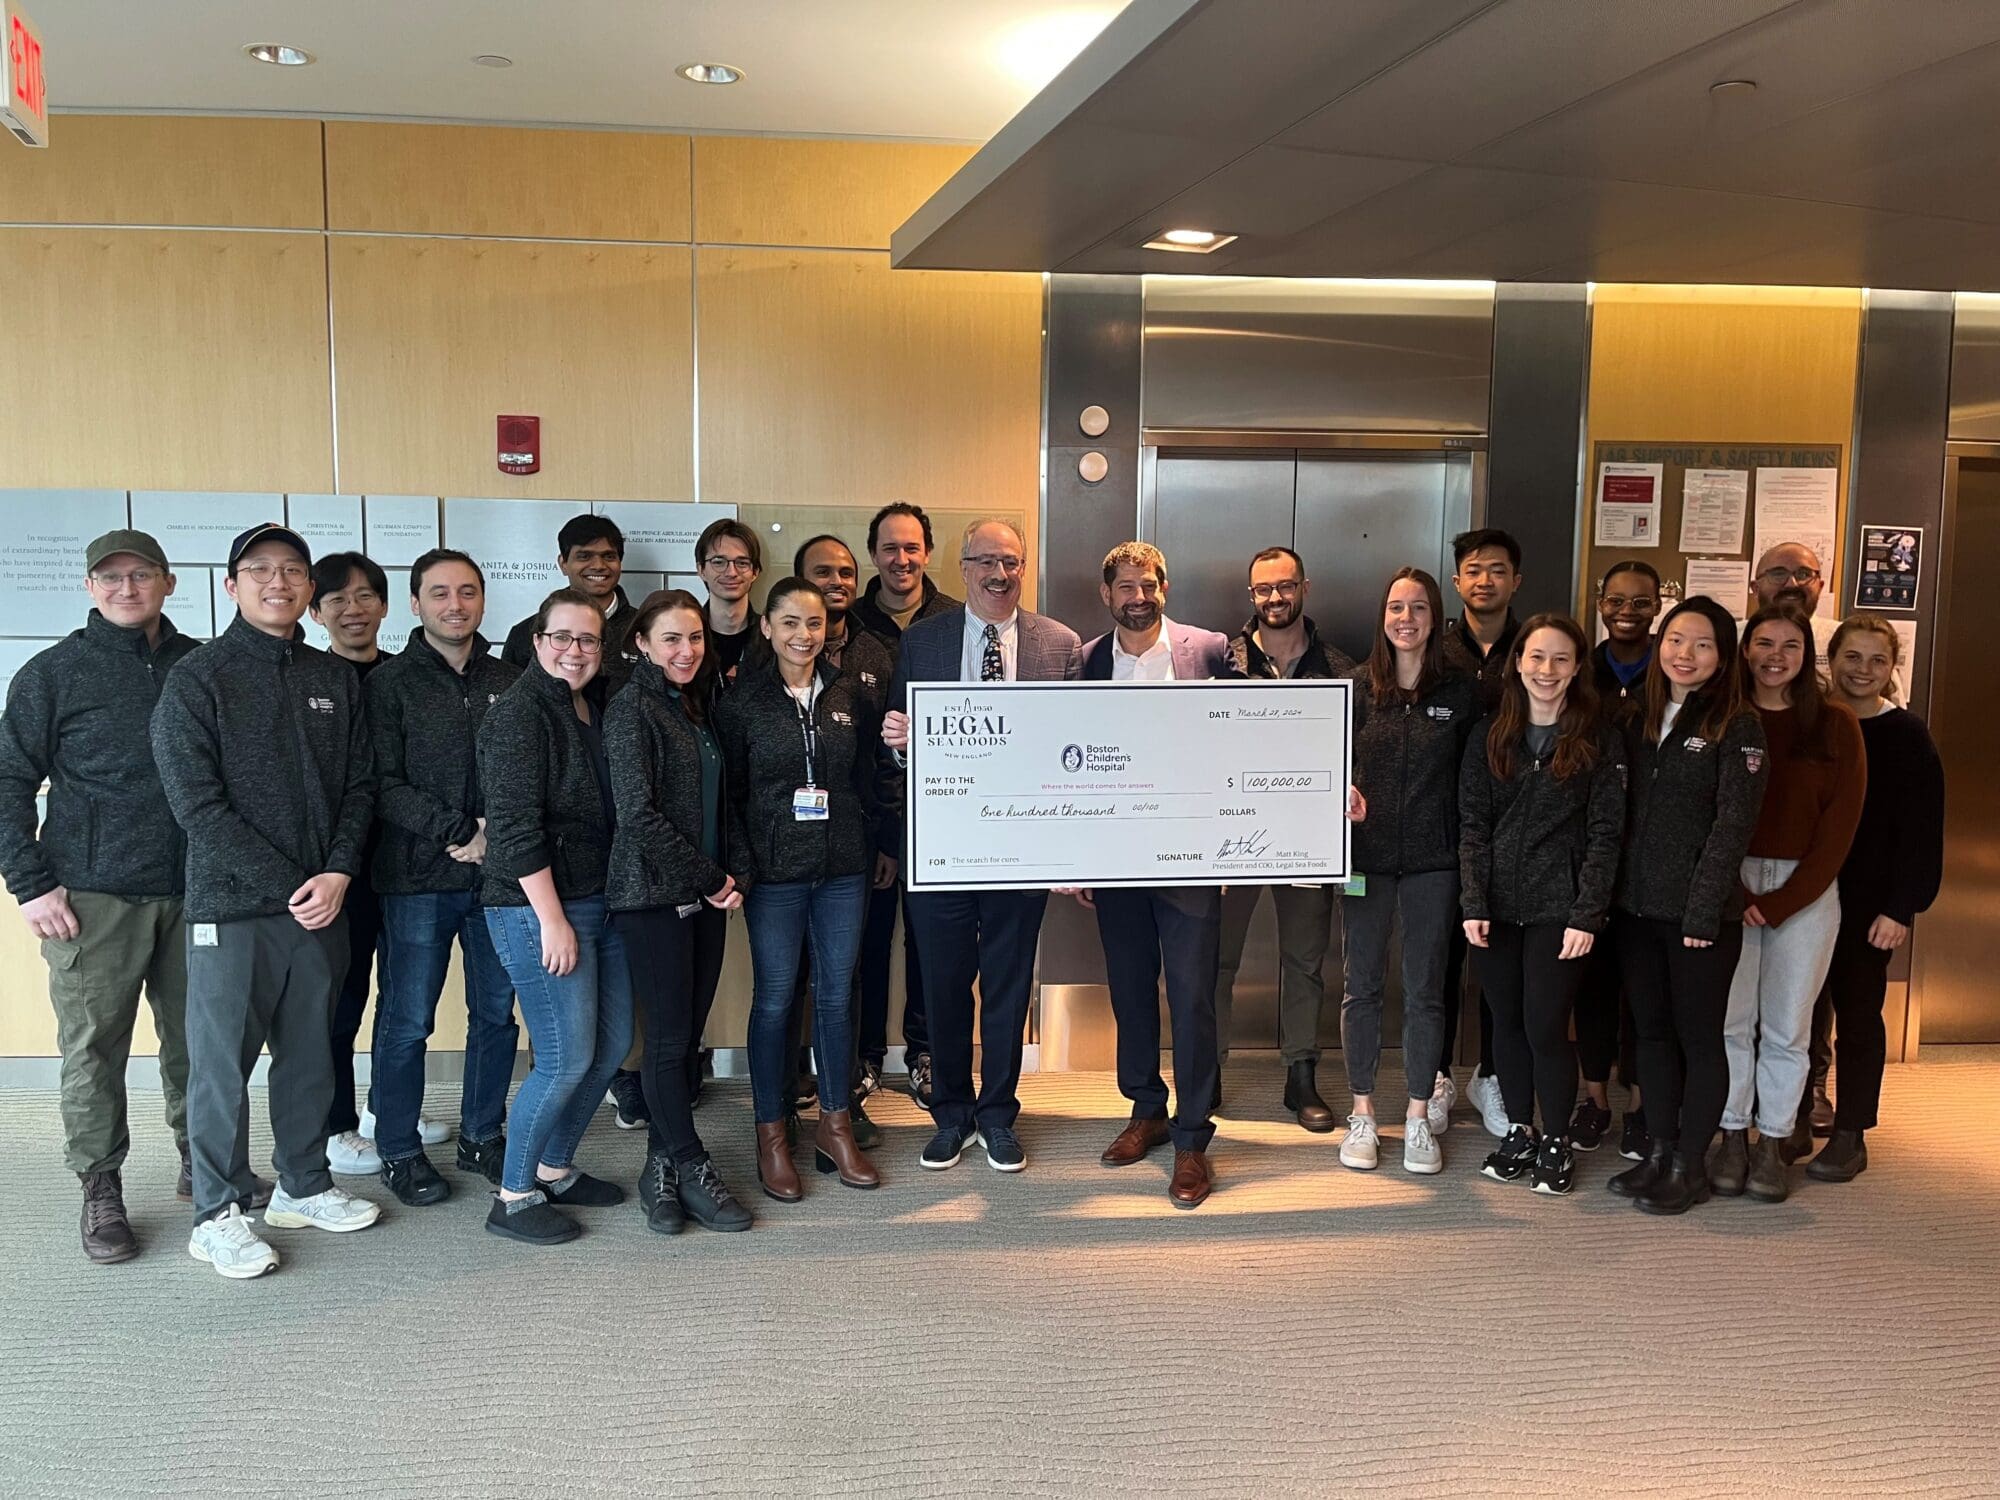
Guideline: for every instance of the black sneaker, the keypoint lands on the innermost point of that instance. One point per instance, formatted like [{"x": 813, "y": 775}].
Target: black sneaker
[
  {"x": 487, "y": 1158},
  {"x": 867, "y": 1134},
  {"x": 415, "y": 1181},
  {"x": 1555, "y": 1168},
  {"x": 660, "y": 1194},
  {"x": 630, "y": 1096},
  {"x": 1635, "y": 1142},
  {"x": 920, "y": 1079},
  {"x": 1589, "y": 1124},
  {"x": 1513, "y": 1158},
  {"x": 946, "y": 1147},
  {"x": 706, "y": 1198},
  {"x": 531, "y": 1220},
  {"x": 1003, "y": 1148},
  {"x": 581, "y": 1190}
]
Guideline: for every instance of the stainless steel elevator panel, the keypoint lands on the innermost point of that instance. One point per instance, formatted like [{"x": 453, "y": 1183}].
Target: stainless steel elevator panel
[
  {"x": 1212, "y": 512},
  {"x": 1957, "y": 943},
  {"x": 1358, "y": 520}
]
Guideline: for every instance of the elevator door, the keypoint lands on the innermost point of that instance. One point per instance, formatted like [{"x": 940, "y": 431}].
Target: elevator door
[{"x": 1955, "y": 940}]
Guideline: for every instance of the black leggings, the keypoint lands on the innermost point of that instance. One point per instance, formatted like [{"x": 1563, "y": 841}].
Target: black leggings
[
  {"x": 1680, "y": 997},
  {"x": 676, "y": 962},
  {"x": 1858, "y": 981},
  {"x": 1604, "y": 1030},
  {"x": 1532, "y": 992}
]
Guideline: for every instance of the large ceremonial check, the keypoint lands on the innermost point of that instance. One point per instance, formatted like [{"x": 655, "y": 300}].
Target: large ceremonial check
[{"x": 1019, "y": 785}]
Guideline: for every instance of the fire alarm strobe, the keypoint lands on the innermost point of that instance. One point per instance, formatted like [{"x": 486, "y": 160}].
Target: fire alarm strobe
[{"x": 520, "y": 445}]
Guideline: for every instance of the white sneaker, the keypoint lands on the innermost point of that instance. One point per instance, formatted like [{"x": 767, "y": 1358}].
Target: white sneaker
[
  {"x": 1484, "y": 1095},
  {"x": 1443, "y": 1097},
  {"x": 1421, "y": 1152},
  {"x": 231, "y": 1246},
  {"x": 430, "y": 1132},
  {"x": 1358, "y": 1148},
  {"x": 352, "y": 1154},
  {"x": 334, "y": 1210}
]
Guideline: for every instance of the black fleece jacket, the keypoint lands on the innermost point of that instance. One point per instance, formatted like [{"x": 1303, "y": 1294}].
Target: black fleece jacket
[
  {"x": 1533, "y": 849},
  {"x": 873, "y": 618},
  {"x": 538, "y": 782},
  {"x": 1406, "y": 760},
  {"x": 764, "y": 753},
  {"x": 613, "y": 666},
  {"x": 79, "y": 716},
  {"x": 264, "y": 756},
  {"x": 1896, "y": 862},
  {"x": 1485, "y": 668},
  {"x": 655, "y": 755},
  {"x": 1321, "y": 657},
  {"x": 424, "y": 717},
  {"x": 1694, "y": 805}
]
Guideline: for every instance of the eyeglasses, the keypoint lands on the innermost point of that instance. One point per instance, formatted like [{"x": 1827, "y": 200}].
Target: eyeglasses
[
  {"x": 731, "y": 565},
  {"x": 366, "y": 598},
  {"x": 139, "y": 578},
  {"x": 1787, "y": 575},
  {"x": 989, "y": 562},
  {"x": 1262, "y": 592},
  {"x": 562, "y": 640},
  {"x": 1613, "y": 605},
  {"x": 264, "y": 570}
]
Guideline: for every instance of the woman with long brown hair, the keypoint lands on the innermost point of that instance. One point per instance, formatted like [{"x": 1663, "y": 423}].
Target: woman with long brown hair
[
  {"x": 1697, "y": 759},
  {"x": 1541, "y": 799},
  {"x": 1412, "y": 716}
]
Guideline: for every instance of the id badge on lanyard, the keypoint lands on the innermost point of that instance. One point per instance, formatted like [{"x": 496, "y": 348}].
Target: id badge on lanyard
[{"x": 809, "y": 801}]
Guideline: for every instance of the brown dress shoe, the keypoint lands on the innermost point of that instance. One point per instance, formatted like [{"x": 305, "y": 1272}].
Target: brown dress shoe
[
  {"x": 834, "y": 1150},
  {"x": 1134, "y": 1141},
  {"x": 774, "y": 1163},
  {"x": 107, "y": 1233},
  {"x": 1192, "y": 1179}
]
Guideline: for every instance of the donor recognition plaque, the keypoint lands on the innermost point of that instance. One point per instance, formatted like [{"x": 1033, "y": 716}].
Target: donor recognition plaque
[{"x": 1020, "y": 785}]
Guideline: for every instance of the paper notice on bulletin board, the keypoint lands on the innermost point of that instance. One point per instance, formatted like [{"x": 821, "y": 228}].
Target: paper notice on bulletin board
[
  {"x": 1628, "y": 504},
  {"x": 1885, "y": 575},
  {"x": 1801, "y": 505},
  {"x": 1712, "y": 505},
  {"x": 1725, "y": 580}
]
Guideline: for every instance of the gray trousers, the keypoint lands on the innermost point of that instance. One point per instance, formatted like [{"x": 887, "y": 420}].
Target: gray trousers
[
  {"x": 1428, "y": 904},
  {"x": 1305, "y": 929},
  {"x": 261, "y": 979}
]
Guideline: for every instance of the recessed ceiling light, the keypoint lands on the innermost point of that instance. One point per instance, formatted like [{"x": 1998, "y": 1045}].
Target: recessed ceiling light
[
  {"x": 1734, "y": 86},
  {"x": 279, "y": 55},
  {"x": 1190, "y": 241},
  {"x": 709, "y": 72},
  {"x": 493, "y": 60}
]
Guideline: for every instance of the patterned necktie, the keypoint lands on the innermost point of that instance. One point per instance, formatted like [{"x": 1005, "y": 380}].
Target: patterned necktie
[{"x": 992, "y": 665}]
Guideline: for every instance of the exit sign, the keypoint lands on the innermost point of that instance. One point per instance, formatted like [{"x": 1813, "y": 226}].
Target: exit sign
[{"x": 24, "y": 86}]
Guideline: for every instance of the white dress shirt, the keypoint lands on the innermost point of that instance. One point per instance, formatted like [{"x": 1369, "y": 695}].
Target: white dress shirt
[
  {"x": 973, "y": 658},
  {"x": 1154, "y": 664}
]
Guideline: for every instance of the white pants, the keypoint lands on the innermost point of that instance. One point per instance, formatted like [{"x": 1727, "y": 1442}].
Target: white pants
[{"x": 1771, "y": 1004}]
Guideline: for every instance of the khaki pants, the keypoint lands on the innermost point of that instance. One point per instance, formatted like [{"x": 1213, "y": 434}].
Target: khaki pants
[{"x": 94, "y": 984}]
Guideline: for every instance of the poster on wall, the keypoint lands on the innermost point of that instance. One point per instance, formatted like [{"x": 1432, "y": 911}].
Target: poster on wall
[
  {"x": 1628, "y": 504},
  {"x": 42, "y": 537},
  {"x": 1801, "y": 505},
  {"x": 1712, "y": 505},
  {"x": 1726, "y": 580},
  {"x": 1885, "y": 575}
]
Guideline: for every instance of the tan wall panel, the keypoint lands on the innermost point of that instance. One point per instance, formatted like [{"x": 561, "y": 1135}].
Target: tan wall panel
[
  {"x": 828, "y": 379},
  {"x": 435, "y": 338},
  {"x": 760, "y": 191},
  {"x": 471, "y": 179},
  {"x": 165, "y": 360},
  {"x": 138, "y": 169}
]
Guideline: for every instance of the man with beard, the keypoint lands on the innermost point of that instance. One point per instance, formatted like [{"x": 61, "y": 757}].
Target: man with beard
[
  {"x": 1148, "y": 929},
  {"x": 1789, "y": 573},
  {"x": 1280, "y": 641}
]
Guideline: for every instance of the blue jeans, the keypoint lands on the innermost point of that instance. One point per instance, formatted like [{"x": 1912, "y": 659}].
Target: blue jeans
[
  {"x": 784, "y": 916},
  {"x": 579, "y": 1023},
  {"x": 417, "y": 933}
]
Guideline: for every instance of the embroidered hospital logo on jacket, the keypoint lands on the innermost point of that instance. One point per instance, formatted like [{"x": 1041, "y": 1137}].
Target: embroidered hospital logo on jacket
[
  {"x": 324, "y": 705},
  {"x": 1696, "y": 744},
  {"x": 1439, "y": 711}
]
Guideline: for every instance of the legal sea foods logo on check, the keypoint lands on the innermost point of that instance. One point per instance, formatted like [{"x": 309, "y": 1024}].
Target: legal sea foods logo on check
[{"x": 966, "y": 730}]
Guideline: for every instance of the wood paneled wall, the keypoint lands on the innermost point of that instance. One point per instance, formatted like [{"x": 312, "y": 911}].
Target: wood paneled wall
[{"x": 429, "y": 278}]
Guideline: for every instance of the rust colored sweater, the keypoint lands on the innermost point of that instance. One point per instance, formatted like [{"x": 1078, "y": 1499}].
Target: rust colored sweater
[{"x": 1811, "y": 807}]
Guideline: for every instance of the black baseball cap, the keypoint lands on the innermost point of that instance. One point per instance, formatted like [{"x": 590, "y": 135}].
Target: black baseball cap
[{"x": 269, "y": 531}]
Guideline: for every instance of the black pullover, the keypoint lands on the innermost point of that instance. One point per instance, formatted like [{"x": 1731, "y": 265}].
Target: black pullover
[
  {"x": 869, "y": 614},
  {"x": 655, "y": 755},
  {"x": 538, "y": 781},
  {"x": 1896, "y": 862},
  {"x": 1321, "y": 657},
  {"x": 1536, "y": 850},
  {"x": 1406, "y": 759}
]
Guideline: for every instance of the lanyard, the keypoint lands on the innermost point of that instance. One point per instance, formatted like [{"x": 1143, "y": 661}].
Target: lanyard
[{"x": 809, "y": 727}]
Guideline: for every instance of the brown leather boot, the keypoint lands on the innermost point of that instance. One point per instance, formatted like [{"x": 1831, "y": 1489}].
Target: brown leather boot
[
  {"x": 107, "y": 1233},
  {"x": 1767, "y": 1181},
  {"x": 834, "y": 1150},
  {"x": 774, "y": 1163}
]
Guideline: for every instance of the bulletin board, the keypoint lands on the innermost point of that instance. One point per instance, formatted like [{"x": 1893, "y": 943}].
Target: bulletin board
[{"x": 1710, "y": 463}]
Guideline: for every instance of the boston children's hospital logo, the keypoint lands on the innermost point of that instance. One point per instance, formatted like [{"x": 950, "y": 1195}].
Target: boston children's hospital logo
[
  {"x": 1072, "y": 758},
  {"x": 965, "y": 730}
]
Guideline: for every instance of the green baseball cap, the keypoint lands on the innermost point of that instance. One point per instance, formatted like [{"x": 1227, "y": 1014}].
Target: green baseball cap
[{"x": 138, "y": 543}]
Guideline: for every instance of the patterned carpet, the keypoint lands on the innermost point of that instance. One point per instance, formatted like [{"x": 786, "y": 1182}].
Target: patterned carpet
[{"x": 1310, "y": 1331}]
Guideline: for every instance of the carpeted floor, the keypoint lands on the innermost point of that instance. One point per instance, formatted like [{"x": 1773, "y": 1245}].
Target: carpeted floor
[{"x": 1310, "y": 1331}]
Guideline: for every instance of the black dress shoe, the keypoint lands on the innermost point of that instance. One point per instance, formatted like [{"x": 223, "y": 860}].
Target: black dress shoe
[
  {"x": 581, "y": 1190},
  {"x": 706, "y": 1198},
  {"x": 1677, "y": 1190},
  {"x": 1841, "y": 1159},
  {"x": 487, "y": 1158},
  {"x": 415, "y": 1181},
  {"x": 1636, "y": 1182},
  {"x": 660, "y": 1194},
  {"x": 1302, "y": 1098}
]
